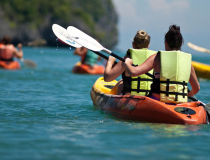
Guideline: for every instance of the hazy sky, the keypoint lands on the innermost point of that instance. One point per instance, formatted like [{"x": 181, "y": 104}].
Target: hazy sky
[{"x": 155, "y": 17}]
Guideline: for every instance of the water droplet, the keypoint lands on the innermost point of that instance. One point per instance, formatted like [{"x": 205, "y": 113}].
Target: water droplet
[
  {"x": 57, "y": 39},
  {"x": 69, "y": 47}
]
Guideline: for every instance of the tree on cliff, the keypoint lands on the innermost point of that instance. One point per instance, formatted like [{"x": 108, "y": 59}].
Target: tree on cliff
[{"x": 26, "y": 21}]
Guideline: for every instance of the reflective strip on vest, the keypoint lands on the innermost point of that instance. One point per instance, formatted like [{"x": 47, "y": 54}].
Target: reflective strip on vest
[
  {"x": 174, "y": 76},
  {"x": 140, "y": 85}
]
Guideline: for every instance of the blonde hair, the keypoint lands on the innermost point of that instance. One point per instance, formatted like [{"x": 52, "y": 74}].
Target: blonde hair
[{"x": 141, "y": 39}]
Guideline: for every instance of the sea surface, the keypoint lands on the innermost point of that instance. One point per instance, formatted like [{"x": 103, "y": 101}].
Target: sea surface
[{"x": 47, "y": 113}]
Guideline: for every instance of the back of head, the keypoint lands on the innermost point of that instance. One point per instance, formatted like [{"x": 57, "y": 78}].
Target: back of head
[
  {"x": 141, "y": 39},
  {"x": 174, "y": 37},
  {"x": 6, "y": 40}
]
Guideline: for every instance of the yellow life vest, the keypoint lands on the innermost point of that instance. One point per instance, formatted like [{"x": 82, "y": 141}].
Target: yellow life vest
[
  {"x": 140, "y": 85},
  {"x": 174, "y": 76}
]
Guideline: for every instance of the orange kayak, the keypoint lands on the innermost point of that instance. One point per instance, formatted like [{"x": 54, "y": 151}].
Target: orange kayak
[
  {"x": 145, "y": 109},
  {"x": 10, "y": 65},
  {"x": 86, "y": 69}
]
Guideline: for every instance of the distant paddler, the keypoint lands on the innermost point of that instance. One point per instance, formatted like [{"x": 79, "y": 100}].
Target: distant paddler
[
  {"x": 87, "y": 56},
  {"x": 8, "y": 52}
]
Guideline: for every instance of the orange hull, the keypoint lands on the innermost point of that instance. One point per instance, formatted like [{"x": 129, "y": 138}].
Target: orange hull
[
  {"x": 10, "y": 65},
  {"x": 86, "y": 69},
  {"x": 141, "y": 108}
]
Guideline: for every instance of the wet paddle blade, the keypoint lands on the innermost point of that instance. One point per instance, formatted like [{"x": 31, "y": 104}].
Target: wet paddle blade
[
  {"x": 29, "y": 63},
  {"x": 85, "y": 40},
  {"x": 62, "y": 34}
]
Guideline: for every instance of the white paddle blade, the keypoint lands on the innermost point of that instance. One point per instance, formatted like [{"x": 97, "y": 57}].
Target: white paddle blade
[
  {"x": 62, "y": 34},
  {"x": 197, "y": 48},
  {"x": 85, "y": 40}
]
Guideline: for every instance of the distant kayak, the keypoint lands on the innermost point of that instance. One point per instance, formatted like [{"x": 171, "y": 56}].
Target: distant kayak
[
  {"x": 10, "y": 65},
  {"x": 201, "y": 70},
  {"x": 145, "y": 109},
  {"x": 86, "y": 69}
]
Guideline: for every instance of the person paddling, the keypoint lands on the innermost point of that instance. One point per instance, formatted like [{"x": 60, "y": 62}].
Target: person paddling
[
  {"x": 172, "y": 70},
  {"x": 87, "y": 56},
  {"x": 8, "y": 51},
  {"x": 139, "y": 53}
]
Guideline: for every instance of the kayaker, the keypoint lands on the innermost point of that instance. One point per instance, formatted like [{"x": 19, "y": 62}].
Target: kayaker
[
  {"x": 8, "y": 51},
  {"x": 139, "y": 53},
  {"x": 172, "y": 70},
  {"x": 87, "y": 56}
]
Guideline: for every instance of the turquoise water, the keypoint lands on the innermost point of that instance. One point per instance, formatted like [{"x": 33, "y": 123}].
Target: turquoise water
[{"x": 47, "y": 113}]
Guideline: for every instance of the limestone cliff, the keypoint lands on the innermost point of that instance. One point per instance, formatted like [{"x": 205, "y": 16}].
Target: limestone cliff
[{"x": 27, "y": 21}]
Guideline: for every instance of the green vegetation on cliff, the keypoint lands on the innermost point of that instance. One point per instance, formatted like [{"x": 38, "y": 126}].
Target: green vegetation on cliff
[{"x": 95, "y": 17}]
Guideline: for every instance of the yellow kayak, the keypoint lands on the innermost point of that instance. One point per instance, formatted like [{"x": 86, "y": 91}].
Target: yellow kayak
[{"x": 201, "y": 70}]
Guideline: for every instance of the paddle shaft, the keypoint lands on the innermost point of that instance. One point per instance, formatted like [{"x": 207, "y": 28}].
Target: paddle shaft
[
  {"x": 123, "y": 60},
  {"x": 103, "y": 56},
  {"x": 118, "y": 57}
]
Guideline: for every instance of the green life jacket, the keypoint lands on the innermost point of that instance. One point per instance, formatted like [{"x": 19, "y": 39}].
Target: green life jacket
[
  {"x": 90, "y": 58},
  {"x": 174, "y": 76},
  {"x": 140, "y": 85}
]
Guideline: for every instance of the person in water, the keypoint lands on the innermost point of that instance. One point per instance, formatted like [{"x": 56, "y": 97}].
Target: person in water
[
  {"x": 87, "y": 56},
  {"x": 172, "y": 70},
  {"x": 8, "y": 51},
  {"x": 139, "y": 53}
]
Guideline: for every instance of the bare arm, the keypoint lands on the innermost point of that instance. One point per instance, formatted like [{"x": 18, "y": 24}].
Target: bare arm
[
  {"x": 194, "y": 83},
  {"x": 18, "y": 53},
  {"x": 145, "y": 67},
  {"x": 80, "y": 51},
  {"x": 112, "y": 73}
]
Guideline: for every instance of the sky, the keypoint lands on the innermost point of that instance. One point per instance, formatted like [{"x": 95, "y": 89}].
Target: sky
[{"x": 155, "y": 17}]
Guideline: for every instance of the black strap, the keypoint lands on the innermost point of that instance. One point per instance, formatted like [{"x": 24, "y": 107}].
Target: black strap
[
  {"x": 174, "y": 82},
  {"x": 139, "y": 80},
  {"x": 168, "y": 82},
  {"x": 142, "y": 79}
]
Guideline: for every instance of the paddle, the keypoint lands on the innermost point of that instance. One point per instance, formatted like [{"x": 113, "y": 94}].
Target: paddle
[
  {"x": 62, "y": 34},
  {"x": 92, "y": 44},
  {"x": 197, "y": 48},
  {"x": 28, "y": 63}
]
